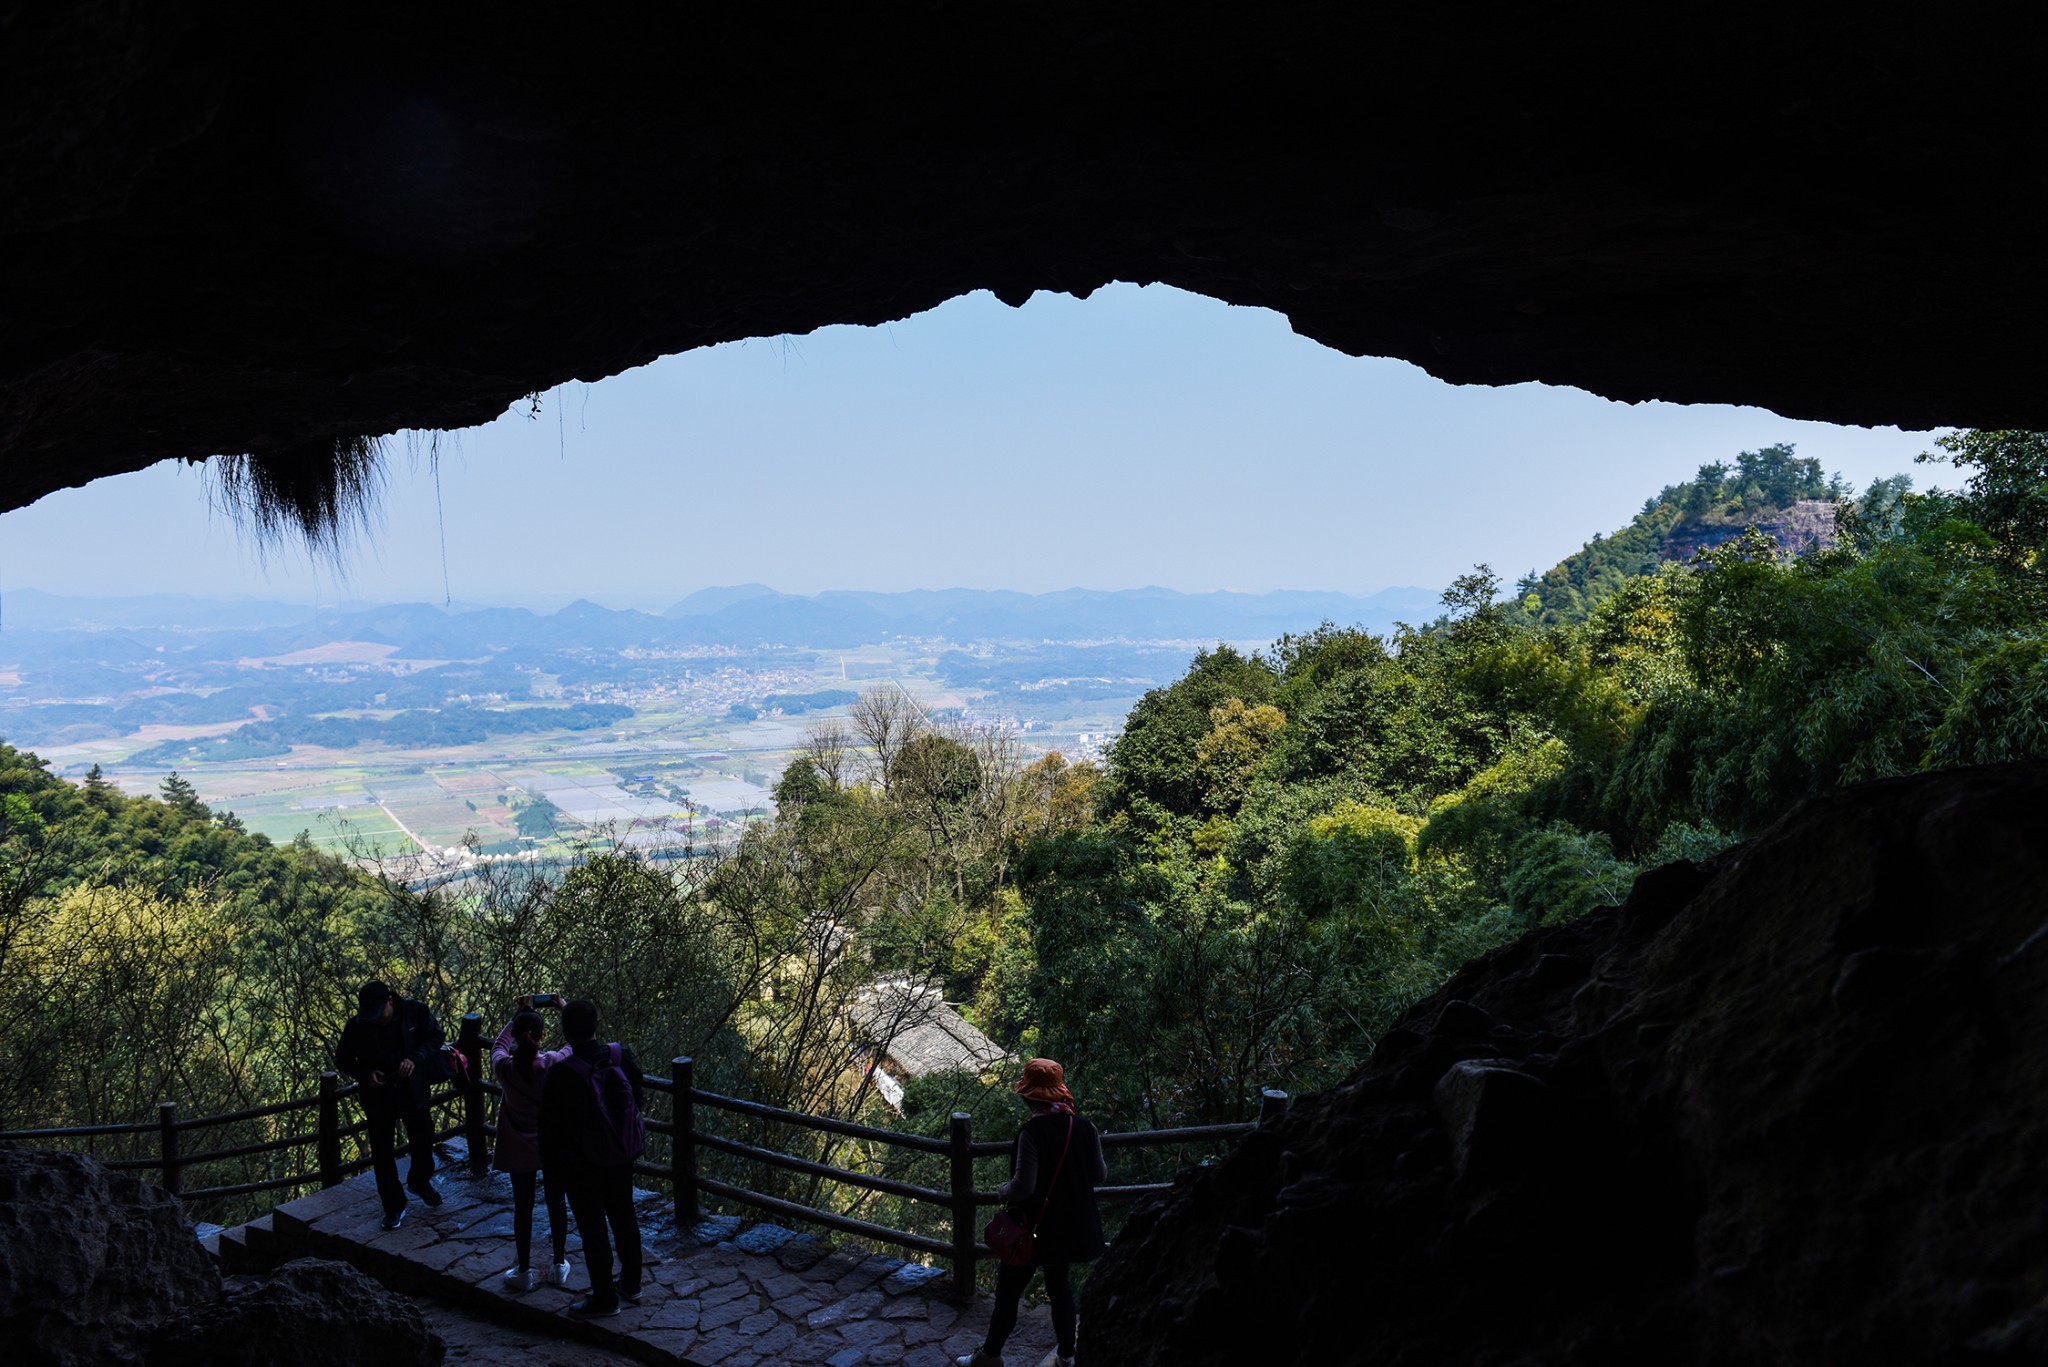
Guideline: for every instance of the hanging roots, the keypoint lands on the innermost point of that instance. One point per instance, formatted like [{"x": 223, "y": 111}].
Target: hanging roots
[{"x": 320, "y": 491}]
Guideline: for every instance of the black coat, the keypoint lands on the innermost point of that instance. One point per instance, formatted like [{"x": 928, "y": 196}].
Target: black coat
[
  {"x": 420, "y": 1040},
  {"x": 1070, "y": 1231}
]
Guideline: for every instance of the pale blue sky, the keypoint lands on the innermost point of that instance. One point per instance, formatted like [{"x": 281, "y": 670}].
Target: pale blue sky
[{"x": 1143, "y": 436}]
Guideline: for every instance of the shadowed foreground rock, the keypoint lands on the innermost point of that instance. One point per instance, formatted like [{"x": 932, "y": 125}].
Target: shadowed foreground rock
[
  {"x": 309, "y": 1313},
  {"x": 90, "y": 1261},
  {"x": 1786, "y": 1107}
]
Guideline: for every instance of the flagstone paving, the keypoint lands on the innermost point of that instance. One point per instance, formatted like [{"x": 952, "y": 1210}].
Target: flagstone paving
[{"x": 720, "y": 1294}]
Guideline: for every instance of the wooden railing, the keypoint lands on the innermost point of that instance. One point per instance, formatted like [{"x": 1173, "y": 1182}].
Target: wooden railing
[
  {"x": 172, "y": 1158},
  {"x": 960, "y": 1197}
]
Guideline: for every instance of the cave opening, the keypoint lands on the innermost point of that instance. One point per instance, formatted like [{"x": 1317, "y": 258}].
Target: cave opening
[{"x": 278, "y": 238}]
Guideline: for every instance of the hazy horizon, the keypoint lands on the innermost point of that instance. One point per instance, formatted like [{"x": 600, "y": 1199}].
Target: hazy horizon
[
  {"x": 555, "y": 603},
  {"x": 1143, "y": 437}
]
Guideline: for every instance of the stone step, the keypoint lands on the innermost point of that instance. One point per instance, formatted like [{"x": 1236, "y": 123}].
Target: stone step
[
  {"x": 252, "y": 1247},
  {"x": 720, "y": 1291},
  {"x": 296, "y": 1217},
  {"x": 231, "y": 1251}
]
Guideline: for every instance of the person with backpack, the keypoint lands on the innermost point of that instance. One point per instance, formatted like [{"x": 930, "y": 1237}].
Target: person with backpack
[
  {"x": 392, "y": 1047},
  {"x": 521, "y": 1066},
  {"x": 1055, "y": 1168},
  {"x": 590, "y": 1133}
]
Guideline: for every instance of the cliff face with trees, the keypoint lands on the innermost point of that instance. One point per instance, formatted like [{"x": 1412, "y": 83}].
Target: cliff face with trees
[{"x": 1773, "y": 491}]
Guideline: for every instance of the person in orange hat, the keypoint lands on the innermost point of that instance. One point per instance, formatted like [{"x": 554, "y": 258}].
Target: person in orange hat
[{"x": 1055, "y": 1169}]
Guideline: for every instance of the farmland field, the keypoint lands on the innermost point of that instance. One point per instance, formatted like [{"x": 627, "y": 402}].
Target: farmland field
[
  {"x": 688, "y": 762},
  {"x": 437, "y": 738}
]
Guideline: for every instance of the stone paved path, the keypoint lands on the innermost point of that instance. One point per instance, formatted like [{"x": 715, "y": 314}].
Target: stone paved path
[{"x": 719, "y": 1295}]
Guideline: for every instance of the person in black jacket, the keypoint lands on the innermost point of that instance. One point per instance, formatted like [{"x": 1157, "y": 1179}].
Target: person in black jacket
[
  {"x": 600, "y": 1193},
  {"x": 393, "y": 1048},
  {"x": 1055, "y": 1169}
]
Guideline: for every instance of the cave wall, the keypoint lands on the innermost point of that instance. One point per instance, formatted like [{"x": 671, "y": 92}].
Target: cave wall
[
  {"x": 1786, "y": 1108},
  {"x": 234, "y": 229}
]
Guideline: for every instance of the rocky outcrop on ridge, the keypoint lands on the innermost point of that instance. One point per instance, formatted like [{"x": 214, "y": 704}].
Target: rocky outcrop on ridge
[
  {"x": 91, "y": 1261},
  {"x": 1789, "y": 1107}
]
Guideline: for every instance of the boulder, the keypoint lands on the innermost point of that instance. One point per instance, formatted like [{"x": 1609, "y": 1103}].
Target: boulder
[
  {"x": 1789, "y": 1107},
  {"x": 310, "y": 1313},
  {"x": 90, "y": 1261}
]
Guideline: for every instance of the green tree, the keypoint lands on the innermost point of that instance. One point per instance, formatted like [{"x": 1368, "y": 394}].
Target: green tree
[
  {"x": 1309, "y": 662},
  {"x": 2000, "y": 713},
  {"x": 1155, "y": 771},
  {"x": 1228, "y": 756},
  {"x": 180, "y": 794},
  {"x": 2006, "y": 497},
  {"x": 1558, "y": 873}
]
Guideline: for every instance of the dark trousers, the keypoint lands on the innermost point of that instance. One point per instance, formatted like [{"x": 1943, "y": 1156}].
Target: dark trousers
[
  {"x": 1010, "y": 1284},
  {"x": 384, "y": 1118},
  {"x": 598, "y": 1198},
  {"x": 522, "y": 1217}
]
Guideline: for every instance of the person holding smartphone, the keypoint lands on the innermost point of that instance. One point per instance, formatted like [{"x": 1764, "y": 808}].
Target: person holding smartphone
[{"x": 520, "y": 1065}]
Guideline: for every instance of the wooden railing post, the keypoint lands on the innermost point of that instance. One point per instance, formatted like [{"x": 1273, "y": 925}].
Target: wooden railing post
[
  {"x": 683, "y": 1147},
  {"x": 172, "y": 1175},
  {"x": 960, "y": 1144},
  {"x": 330, "y": 1130},
  {"x": 472, "y": 1045},
  {"x": 1272, "y": 1105}
]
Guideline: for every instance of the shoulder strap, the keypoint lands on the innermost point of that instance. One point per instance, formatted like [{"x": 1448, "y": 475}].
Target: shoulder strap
[{"x": 1058, "y": 1167}]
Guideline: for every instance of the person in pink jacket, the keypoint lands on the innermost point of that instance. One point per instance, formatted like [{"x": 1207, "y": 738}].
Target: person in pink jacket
[{"x": 520, "y": 1066}]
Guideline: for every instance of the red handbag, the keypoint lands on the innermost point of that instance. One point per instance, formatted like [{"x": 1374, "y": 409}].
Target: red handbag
[{"x": 1010, "y": 1238}]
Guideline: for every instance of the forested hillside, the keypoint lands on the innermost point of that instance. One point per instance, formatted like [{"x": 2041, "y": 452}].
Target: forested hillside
[
  {"x": 1283, "y": 850},
  {"x": 150, "y": 949},
  {"x": 1773, "y": 490}
]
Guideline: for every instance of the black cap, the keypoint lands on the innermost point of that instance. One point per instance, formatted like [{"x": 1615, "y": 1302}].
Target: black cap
[{"x": 370, "y": 1000}]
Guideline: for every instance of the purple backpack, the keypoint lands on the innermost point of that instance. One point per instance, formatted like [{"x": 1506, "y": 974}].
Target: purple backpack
[{"x": 615, "y": 1134}]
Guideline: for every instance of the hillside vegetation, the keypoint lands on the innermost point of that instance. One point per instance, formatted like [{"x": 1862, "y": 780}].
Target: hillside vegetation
[
  {"x": 1284, "y": 849},
  {"x": 1773, "y": 490},
  {"x": 1281, "y": 851}
]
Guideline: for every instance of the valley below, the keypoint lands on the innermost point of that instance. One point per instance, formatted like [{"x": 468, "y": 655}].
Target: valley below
[{"x": 420, "y": 740}]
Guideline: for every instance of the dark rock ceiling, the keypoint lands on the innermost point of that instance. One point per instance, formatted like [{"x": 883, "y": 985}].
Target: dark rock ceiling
[{"x": 230, "y": 230}]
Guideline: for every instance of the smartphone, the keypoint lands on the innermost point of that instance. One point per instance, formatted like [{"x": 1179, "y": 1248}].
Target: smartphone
[{"x": 541, "y": 999}]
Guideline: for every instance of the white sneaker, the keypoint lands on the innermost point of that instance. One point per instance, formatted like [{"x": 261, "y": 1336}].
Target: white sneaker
[
  {"x": 561, "y": 1273},
  {"x": 519, "y": 1279},
  {"x": 977, "y": 1358}
]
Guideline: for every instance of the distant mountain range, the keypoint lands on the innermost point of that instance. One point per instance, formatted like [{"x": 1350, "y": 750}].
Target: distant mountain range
[{"x": 746, "y": 615}]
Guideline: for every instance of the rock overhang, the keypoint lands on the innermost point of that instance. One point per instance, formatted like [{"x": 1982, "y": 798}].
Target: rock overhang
[{"x": 235, "y": 231}]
